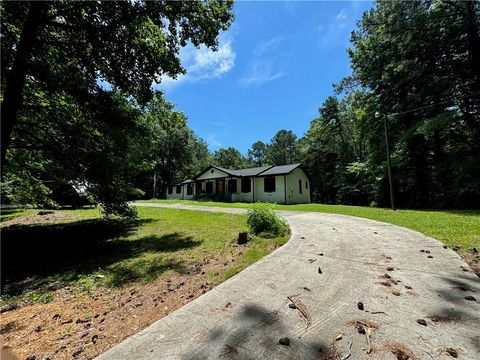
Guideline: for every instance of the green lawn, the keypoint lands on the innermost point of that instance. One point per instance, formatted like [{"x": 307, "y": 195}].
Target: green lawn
[
  {"x": 88, "y": 252},
  {"x": 12, "y": 213},
  {"x": 452, "y": 227}
]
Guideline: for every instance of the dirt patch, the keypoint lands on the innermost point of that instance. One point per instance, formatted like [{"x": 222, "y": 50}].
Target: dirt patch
[
  {"x": 84, "y": 325},
  {"x": 40, "y": 218},
  {"x": 401, "y": 351},
  {"x": 472, "y": 258}
]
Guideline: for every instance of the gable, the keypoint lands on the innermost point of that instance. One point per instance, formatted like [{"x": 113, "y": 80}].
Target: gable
[
  {"x": 298, "y": 173},
  {"x": 212, "y": 173}
]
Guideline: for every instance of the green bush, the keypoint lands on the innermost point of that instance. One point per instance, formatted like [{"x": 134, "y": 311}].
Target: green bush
[
  {"x": 41, "y": 298},
  {"x": 263, "y": 221}
]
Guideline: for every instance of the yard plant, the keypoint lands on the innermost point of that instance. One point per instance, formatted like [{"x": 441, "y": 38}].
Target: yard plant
[{"x": 264, "y": 221}]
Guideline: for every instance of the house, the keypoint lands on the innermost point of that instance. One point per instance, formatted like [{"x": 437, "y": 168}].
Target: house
[{"x": 285, "y": 184}]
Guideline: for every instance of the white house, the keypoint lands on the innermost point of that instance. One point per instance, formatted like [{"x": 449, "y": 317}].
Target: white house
[{"x": 286, "y": 184}]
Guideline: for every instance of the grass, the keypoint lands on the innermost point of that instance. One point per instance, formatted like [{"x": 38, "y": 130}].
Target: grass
[
  {"x": 452, "y": 227},
  {"x": 87, "y": 252},
  {"x": 11, "y": 213}
]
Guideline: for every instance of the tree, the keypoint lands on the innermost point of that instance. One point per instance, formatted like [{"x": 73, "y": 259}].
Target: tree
[
  {"x": 100, "y": 147},
  {"x": 177, "y": 152},
  {"x": 229, "y": 158},
  {"x": 415, "y": 63},
  {"x": 55, "y": 56},
  {"x": 283, "y": 149},
  {"x": 420, "y": 61},
  {"x": 257, "y": 154},
  {"x": 334, "y": 151}
]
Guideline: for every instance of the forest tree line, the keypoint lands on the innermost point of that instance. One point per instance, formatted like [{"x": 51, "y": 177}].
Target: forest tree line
[{"x": 414, "y": 64}]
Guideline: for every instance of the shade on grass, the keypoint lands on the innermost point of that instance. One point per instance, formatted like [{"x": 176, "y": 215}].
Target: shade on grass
[{"x": 89, "y": 252}]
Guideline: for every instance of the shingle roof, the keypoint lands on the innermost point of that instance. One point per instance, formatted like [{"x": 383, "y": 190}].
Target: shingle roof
[
  {"x": 183, "y": 182},
  {"x": 252, "y": 171},
  {"x": 279, "y": 170},
  {"x": 257, "y": 171},
  {"x": 225, "y": 170},
  {"x": 243, "y": 172}
]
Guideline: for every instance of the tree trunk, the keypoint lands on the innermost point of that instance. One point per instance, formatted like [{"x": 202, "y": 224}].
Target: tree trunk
[
  {"x": 17, "y": 75},
  {"x": 154, "y": 194}
]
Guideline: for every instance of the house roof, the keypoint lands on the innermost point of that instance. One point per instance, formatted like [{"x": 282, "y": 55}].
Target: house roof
[
  {"x": 256, "y": 171},
  {"x": 183, "y": 182},
  {"x": 252, "y": 171},
  {"x": 279, "y": 170}
]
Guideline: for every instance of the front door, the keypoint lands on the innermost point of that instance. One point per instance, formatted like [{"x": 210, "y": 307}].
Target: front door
[{"x": 220, "y": 186}]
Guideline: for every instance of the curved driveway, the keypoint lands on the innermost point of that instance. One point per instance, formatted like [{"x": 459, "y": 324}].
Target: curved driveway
[{"x": 378, "y": 264}]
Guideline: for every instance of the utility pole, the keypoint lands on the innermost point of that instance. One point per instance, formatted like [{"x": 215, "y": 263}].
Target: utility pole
[{"x": 389, "y": 166}]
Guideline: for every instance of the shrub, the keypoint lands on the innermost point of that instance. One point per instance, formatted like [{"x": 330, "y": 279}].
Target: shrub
[{"x": 263, "y": 221}]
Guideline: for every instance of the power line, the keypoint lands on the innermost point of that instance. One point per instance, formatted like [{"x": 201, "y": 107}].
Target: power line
[{"x": 428, "y": 106}]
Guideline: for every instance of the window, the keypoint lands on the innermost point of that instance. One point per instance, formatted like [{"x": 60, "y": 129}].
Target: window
[
  {"x": 300, "y": 186},
  {"x": 269, "y": 184},
  {"x": 246, "y": 185},
  {"x": 209, "y": 187},
  {"x": 199, "y": 187},
  {"x": 170, "y": 190},
  {"x": 232, "y": 185},
  {"x": 179, "y": 189},
  {"x": 306, "y": 184},
  {"x": 189, "y": 189}
]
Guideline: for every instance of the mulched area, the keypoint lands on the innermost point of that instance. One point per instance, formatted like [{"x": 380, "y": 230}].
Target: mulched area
[
  {"x": 41, "y": 217},
  {"x": 82, "y": 326}
]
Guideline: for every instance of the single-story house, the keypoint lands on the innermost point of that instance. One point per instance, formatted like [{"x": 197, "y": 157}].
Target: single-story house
[{"x": 285, "y": 184}]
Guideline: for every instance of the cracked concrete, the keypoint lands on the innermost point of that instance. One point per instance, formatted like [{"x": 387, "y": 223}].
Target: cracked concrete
[{"x": 244, "y": 317}]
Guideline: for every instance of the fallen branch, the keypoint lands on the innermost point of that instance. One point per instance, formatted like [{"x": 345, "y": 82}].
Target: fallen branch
[
  {"x": 368, "y": 333},
  {"x": 379, "y": 312},
  {"x": 302, "y": 308}
]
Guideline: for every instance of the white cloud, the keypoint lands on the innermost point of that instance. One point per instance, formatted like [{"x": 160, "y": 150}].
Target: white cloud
[
  {"x": 261, "y": 72},
  {"x": 342, "y": 15},
  {"x": 267, "y": 46},
  {"x": 262, "y": 69},
  {"x": 203, "y": 63},
  {"x": 213, "y": 142},
  {"x": 338, "y": 30}
]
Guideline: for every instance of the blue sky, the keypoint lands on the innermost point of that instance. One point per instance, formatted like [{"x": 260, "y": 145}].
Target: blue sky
[{"x": 272, "y": 71}]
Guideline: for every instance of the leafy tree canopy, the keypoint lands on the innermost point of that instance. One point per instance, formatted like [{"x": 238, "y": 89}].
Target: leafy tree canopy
[
  {"x": 56, "y": 118},
  {"x": 282, "y": 149},
  {"x": 229, "y": 158}
]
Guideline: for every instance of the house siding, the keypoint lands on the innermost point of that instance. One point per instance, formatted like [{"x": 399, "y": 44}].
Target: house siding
[
  {"x": 278, "y": 196},
  {"x": 174, "y": 194},
  {"x": 293, "y": 193},
  {"x": 239, "y": 196}
]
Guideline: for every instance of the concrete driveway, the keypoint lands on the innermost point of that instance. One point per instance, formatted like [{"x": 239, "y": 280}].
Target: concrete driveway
[{"x": 308, "y": 291}]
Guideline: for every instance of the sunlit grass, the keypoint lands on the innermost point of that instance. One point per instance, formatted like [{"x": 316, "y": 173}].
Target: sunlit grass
[{"x": 452, "y": 227}]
